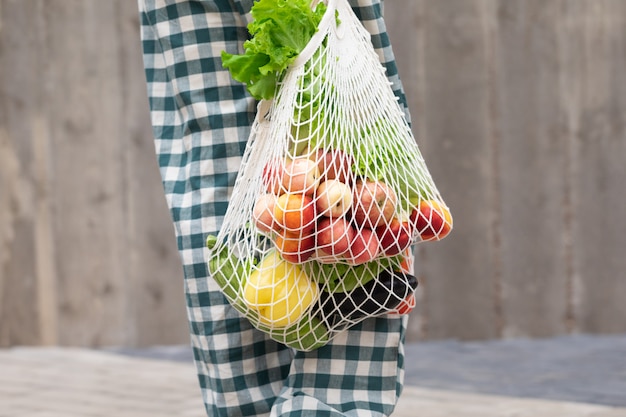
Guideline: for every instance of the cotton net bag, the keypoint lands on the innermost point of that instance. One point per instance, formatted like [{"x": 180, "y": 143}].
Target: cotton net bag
[{"x": 331, "y": 196}]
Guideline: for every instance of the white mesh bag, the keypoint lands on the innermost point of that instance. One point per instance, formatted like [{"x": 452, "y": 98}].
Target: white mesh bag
[{"x": 331, "y": 196}]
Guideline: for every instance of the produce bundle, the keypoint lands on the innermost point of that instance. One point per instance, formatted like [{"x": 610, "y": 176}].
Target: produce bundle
[{"x": 333, "y": 191}]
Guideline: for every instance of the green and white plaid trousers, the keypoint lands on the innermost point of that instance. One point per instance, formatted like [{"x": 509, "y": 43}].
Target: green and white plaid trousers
[{"x": 201, "y": 120}]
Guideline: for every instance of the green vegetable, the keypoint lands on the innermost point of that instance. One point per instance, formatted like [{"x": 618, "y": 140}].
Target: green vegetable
[
  {"x": 392, "y": 165},
  {"x": 280, "y": 30},
  {"x": 342, "y": 277},
  {"x": 227, "y": 270},
  {"x": 308, "y": 334}
]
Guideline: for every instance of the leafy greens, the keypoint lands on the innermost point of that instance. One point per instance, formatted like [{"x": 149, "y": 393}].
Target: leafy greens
[{"x": 279, "y": 31}]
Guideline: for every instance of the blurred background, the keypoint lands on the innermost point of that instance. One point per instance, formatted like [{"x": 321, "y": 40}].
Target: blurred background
[{"x": 519, "y": 107}]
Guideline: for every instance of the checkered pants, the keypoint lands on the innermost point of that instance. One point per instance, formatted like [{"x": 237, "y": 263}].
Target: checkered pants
[{"x": 201, "y": 120}]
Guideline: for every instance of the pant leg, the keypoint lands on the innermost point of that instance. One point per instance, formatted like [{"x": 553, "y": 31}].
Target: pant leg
[
  {"x": 359, "y": 373},
  {"x": 201, "y": 121}
]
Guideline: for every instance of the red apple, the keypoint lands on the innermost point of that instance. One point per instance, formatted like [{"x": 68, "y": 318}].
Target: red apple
[
  {"x": 334, "y": 164},
  {"x": 406, "y": 306},
  {"x": 295, "y": 247},
  {"x": 334, "y": 236},
  {"x": 295, "y": 212},
  {"x": 273, "y": 176},
  {"x": 394, "y": 237},
  {"x": 333, "y": 198},
  {"x": 301, "y": 175},
  {"x": 363, "y": 248},
  {"x": 432, "y": 219},
  {"x": 263, "y": 213},
  {"x": 406, "y": 264},
  {"x": 374, "y": 203}
]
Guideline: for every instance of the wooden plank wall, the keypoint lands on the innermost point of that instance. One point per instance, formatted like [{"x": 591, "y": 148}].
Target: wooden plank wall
[
  {"x": 87, "y": 251},
  {"x": 519, "y": 107}
]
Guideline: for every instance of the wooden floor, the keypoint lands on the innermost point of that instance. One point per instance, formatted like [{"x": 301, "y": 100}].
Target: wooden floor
[
  {"x": 424, "y": 402},
  {"x": 58, "y": 382}
]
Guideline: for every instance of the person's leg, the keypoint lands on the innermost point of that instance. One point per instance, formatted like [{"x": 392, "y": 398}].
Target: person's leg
[
  {"x": 359, "y": 373},
  {"x": 201, "y": 120}
]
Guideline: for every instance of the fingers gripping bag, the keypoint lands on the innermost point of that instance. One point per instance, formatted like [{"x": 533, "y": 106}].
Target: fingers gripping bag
[{"x": 332, "y": 192}]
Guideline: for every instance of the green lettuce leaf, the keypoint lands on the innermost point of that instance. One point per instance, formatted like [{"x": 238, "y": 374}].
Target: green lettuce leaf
[{"x": 279, "y": 31}]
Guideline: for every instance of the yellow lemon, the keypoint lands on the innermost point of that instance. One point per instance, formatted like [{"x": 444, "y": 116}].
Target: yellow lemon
[{"x": 279, "y": 291}]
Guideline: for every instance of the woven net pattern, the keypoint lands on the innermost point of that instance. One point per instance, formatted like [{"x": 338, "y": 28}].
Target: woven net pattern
[{"x": 332, "y": 195}]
